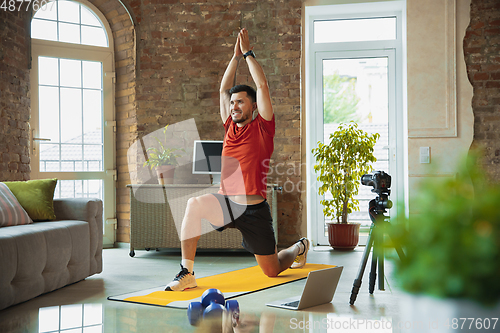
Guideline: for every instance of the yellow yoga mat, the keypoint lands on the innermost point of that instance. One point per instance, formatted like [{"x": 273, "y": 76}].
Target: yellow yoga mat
[{"x": 231, "y": 284}]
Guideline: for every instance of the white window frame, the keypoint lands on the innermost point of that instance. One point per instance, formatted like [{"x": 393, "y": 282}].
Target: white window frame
[
  {"x": 398, "y": 145},
  {"x": 108, "y": 175}
]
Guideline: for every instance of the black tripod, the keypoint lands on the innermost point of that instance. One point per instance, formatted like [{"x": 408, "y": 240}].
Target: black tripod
[{"x": 380, "y": 223}]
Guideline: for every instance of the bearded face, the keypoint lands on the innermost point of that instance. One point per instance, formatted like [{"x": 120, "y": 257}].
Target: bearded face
[{"x": 242, "y": 108}]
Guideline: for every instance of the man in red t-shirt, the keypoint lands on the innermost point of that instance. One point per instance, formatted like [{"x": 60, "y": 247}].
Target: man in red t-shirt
[{"x": 241, "y": 202}]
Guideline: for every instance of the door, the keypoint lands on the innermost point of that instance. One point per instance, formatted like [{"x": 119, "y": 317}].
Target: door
[
  {"x": 354, "y": 72},
  {"x": 72, "y": 127}
]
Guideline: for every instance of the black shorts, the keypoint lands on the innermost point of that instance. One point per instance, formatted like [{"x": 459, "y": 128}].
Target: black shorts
[{"x": 253, "y": 221}]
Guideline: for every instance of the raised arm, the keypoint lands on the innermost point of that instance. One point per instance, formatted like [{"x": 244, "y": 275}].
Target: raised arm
[
  {"x": 228, "y": 81},
  {"x": 264, "y": 104}
]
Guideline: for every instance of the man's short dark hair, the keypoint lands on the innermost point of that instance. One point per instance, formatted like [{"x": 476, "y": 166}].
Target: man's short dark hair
[{"x": 252, "y": 94}]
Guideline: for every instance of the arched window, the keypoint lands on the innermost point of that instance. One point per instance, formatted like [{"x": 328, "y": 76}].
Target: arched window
[
  {"x": 69, "y": 22},
  {"x": 72, "y": 103}
]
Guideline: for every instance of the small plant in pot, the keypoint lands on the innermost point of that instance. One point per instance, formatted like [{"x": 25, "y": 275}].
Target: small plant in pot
[
  {"x": 164, "y": 159},
  {"x": 452, "y": 245},
  {"x": 340, "y": 165}
]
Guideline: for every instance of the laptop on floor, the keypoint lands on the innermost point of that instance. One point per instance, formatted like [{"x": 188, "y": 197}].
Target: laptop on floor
[{"x": 319, "y": 289}]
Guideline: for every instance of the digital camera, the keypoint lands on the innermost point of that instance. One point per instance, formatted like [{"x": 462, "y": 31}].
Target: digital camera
[{"x": 380, "y": 181}]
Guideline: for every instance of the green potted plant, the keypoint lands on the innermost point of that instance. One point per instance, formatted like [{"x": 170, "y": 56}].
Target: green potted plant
[
  {"x": 340, "y": 165},
  {"x": 164, "y": 159},
  {"x": 452, "y": 245}
]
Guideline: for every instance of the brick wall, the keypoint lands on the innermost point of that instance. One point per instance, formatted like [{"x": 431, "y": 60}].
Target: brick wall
[
  {"x": 482, "y": 56},
  {"x": 14, "y": 96},
  {"x": 183, "y": 49}
]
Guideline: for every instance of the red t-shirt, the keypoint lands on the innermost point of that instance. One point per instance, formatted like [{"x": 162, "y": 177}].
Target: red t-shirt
[{"x": 245, "y": 157}]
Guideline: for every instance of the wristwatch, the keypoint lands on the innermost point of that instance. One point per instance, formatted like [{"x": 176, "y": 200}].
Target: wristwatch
[{"x": 249, "y": 53}]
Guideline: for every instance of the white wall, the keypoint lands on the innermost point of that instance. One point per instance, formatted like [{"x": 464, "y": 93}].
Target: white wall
[{"x": 439, "y": 93}]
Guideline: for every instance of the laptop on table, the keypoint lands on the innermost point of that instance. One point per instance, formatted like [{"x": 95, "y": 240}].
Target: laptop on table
[{"x": 319, "y": 289}]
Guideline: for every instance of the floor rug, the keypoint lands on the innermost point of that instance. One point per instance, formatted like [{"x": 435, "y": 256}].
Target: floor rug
[{"x": 231, "y": 284}]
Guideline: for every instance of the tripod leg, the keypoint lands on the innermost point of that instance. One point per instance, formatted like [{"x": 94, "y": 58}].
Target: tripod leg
[
  {"x": 400, "y": 252},
  {"x": 373, "y": 272},
  {"x": 361, "y": 271},
  {"x": 380, "y": 255}
]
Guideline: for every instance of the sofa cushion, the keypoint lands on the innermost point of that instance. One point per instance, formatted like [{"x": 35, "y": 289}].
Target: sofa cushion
[
  {"x": 36, "y": 196},
  {"x": 41, "y": 257},
  {"x": 11, "y": 211}
]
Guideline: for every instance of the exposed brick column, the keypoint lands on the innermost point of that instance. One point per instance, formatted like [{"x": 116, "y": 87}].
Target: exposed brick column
[
  {"x": 15, "y": 104},
  {"x": 124, "y": 37},
  {"x": 482, "y": 56}
]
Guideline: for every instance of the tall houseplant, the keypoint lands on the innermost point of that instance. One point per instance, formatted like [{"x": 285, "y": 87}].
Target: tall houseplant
[
  {"x": 453, "y": 248},
  {"x": 164, "y": 159},
  {"x": 340, "y": 165}
]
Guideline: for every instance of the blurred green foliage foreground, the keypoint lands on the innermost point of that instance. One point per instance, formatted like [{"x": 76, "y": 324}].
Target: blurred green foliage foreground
[{"x": 452, "y": 242}]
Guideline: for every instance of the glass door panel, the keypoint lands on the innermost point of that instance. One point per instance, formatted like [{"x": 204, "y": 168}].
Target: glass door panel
[
  {"x": 71, "y": 115},
  {"x": 355, "y": 30},
  {"x": 356, "y": 89}
]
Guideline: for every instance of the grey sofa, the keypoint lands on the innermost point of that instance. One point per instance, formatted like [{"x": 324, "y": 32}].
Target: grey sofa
[{"x": 44, "y": 256}]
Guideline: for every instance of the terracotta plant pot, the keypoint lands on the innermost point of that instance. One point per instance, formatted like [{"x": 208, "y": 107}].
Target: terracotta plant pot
[
  {"x": 343, "y": 236},
  {"x": 165, "y": 174}
]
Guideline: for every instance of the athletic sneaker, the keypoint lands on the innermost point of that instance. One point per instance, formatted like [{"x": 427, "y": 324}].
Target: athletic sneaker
[
  {"x": 182, "y": 281},
  {"x": 300, "y": 260}
]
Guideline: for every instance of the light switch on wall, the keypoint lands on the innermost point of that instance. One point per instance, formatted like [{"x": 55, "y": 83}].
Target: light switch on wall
[{"x": 425, "y": 154}]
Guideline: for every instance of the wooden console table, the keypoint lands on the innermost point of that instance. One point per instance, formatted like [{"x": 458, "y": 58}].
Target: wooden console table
[{"x": 156, "y": 213}]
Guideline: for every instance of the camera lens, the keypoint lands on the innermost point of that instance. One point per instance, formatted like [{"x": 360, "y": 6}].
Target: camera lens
[{"x": 367, "y": 180}]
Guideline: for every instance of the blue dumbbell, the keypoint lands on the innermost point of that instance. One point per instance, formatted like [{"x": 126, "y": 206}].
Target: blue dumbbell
[
  {"x": 233, "y": 309},
  {"x": 212, "y": 295},
  {"x": 213, "y": 301},
  {"x": 232, "y": 306},
  {"x": 195, "y": 312},
  {"x": 211, "y": 306},
  {"x": 213, "y": 311}
]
